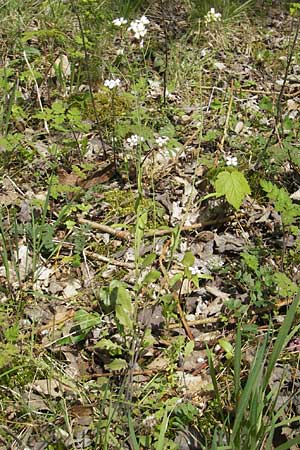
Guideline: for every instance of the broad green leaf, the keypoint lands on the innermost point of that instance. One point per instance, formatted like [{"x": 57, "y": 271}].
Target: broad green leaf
[
  {"x": 189, "y": 348},
  {"x": 225, "y": 344},
  {"x": 110, "y": 346},
  {"x": 117, "y": 364},
  {"x": 86, "y": 320},
  {"x": 188, "y": 259},
  {"x": 234, "y": 186},
  {"x": 151, "y": 277},
  {"x": 177, "y": 277},
  {"x": 149, "y": 260},
  {"x": 124, "y": 310}
]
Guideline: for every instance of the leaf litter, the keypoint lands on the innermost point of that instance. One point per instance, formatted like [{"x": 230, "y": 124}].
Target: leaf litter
[{"x": 78, "y": 307}]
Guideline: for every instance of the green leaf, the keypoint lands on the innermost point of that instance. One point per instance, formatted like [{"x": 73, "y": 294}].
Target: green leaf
[
  {"x": 149, "y": 260},
  {"x": 11, "y": 334},
  {"x": 124, "y": 310},
  {"x": 168, "y": 130},
  {"x": 250, "y": 260},
  {"x": 177, "y": 277},
  {"x": 225, "y": 344},
  {"x": 234, "y": 186},
  {"x": 283, "y": 204},
  {"x": 111, "y": 347},
  {"x": 188, "y": 259},
  {"x": 285, "y": 286},
  {"x": 86, "y": 320},
  {"x": 151, "y": 277},
  {"x": 117, "y": 364},
  {"x": 189, "y": 348}
]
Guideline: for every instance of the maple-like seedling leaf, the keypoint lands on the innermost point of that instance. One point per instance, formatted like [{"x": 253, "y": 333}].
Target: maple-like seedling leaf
[{"x": 234, "y": 186}]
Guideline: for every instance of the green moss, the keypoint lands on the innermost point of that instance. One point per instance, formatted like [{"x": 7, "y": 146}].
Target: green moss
[
  {"x": 109, "y": 110},
  {"x": 122, "y": 205}
]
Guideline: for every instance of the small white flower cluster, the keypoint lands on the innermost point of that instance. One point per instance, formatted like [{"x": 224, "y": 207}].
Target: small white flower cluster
[
  {"x": 111, "y": 84},
  {"x": 134, "y": 141},
  {"x": 212, "y": 16},
  {"x": 138, "y": 27},
  {"x": 196, "y": 270},
  {"x": 231, "y": 160},
  {"x": 119, "y": 21},
  {"x": 162, "y": 141}
]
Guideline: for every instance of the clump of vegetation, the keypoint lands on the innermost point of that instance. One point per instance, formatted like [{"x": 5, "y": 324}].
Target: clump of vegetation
[{"x": 149, "y": 225}]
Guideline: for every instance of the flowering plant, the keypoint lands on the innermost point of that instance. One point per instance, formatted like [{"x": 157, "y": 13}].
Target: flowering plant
[
  {"x": 231, "y": 160},
  {"x": 138, "y": 27},
  {"x": 161, "y": 141},
  {"x": 111, "y": 84},
  {"x": 134, "y": 141},
  {"x": 119, "y": 21},
  {"x": 212, "y": 16}
]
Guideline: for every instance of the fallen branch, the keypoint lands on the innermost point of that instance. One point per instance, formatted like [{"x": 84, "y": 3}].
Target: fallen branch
[
  {"x": 113, "y": 262},
  {"x": 195, "y": 226},
  {"x": 191, "y": 323},
  {"x": 123, "y": 235}
]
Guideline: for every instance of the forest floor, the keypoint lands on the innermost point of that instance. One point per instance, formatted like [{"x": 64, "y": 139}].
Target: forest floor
[{"x": 149, "y": 226}]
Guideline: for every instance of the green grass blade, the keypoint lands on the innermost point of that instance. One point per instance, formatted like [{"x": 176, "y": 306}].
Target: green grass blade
[
  {"x": 287, "y": 445},
  {"x": 160, "y": 445},
  {"x": 133, "y": 440},
  {"x": 282, "y": 337},
  {"x": 249, "y": 389},
  {"x": 237, "y": 364}
]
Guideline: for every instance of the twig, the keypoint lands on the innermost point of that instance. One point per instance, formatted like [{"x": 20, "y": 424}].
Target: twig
[
  {"x": 195, "y": 226},
  {"x": 191, "y": 323},
  {"x": 21, "y": 444},
  {"x": 126, "y": 236},
  {"x": 123, "y": 235},
  {"x": 113, "y": 262},
  {"x": 182, "y": 317},
  {"x": 252, "y": 91},
  {"x": 14, "y": 184}
]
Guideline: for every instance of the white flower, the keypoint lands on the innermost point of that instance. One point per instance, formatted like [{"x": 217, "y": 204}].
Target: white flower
[
  {"x": 144, "y": 20},
  {"x": 111, "y": 84},
  {"x": 119, "y": 21},
  {"x": 212, "y": 16},
  {"x": 138, "y": 27},
  {"x": 161, "y": 141},
  {"x": 195, "y": 270},
  {"x": 231, "y": 160},
  {"x": 134, "y": 140}
]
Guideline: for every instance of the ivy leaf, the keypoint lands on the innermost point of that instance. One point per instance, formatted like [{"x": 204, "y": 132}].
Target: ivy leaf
[{"x": 234, "y": 186}]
